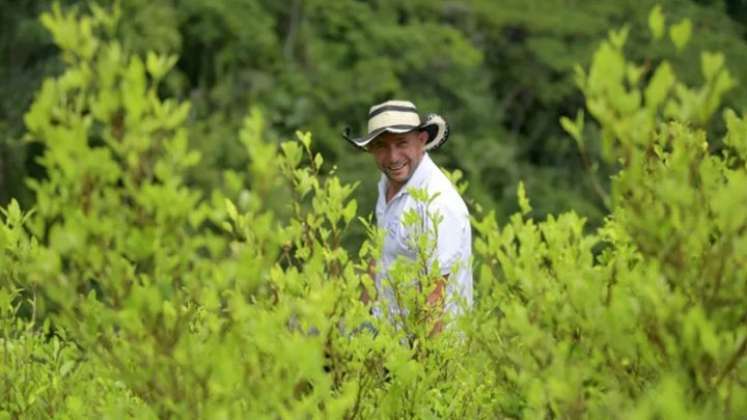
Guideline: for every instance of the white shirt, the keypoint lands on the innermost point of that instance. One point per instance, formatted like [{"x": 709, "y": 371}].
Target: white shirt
[{"x": 453, "y": 247}]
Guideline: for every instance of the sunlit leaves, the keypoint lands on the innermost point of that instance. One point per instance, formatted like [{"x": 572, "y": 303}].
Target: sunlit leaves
[
  {"x": 656, "y": 22},
  {"x": 523, "y": 200},
  {"x": 134, "y": 295},
  {"x": 660, "y": 86},
  {"x": 159, "y": 65},
  {"x": 680, "y": 33},
  {"x": 73, "y": 34},
  {"x": 736, "y": 136},
  {"x": 575, "y": 128},
  {"x": 629, "y": 108}
]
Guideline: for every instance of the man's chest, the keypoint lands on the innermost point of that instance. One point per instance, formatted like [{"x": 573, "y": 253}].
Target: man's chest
[{"x": 399, "y": 220}]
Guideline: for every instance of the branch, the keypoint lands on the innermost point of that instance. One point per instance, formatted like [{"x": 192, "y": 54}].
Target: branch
[
  {"x": 598, "y": 189},
  {"x": 290, "y": 40},
  {"x": 741, "y": 351}
]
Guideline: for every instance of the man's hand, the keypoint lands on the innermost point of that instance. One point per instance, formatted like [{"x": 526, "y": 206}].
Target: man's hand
[
  {"x": 364, "y": 297},
  {"x": 436, "y": 297}
]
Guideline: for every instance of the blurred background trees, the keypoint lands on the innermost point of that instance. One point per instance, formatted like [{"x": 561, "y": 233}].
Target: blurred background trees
[{"x": 501, "y": 72}]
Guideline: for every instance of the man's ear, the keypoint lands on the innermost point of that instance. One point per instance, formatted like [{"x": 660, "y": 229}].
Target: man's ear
[{"x": 423, "y": 137}]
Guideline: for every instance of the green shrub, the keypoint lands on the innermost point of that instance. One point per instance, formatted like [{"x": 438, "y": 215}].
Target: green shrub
[{"x": 125, "y": 292}]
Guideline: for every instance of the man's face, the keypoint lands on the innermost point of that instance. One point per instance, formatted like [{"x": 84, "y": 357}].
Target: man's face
[{"x": 398, "y": 155}]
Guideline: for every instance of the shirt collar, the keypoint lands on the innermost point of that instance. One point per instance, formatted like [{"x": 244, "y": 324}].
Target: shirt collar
[{"x": 421, "y": 174}]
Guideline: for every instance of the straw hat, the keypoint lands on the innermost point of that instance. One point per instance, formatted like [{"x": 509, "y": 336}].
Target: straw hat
[{"x": 401, "y": 117}]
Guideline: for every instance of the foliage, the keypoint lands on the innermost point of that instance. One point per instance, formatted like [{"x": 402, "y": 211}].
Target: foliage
[
  {"x": 126, "y": 291},
  {"x": 502, "y": 73}
]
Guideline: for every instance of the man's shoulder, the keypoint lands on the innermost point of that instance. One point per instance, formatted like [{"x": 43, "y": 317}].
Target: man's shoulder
[{"x": 444, "y": 193}]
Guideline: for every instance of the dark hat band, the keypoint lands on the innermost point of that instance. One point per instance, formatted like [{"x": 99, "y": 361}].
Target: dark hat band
[{"x": 386, "y": 108}]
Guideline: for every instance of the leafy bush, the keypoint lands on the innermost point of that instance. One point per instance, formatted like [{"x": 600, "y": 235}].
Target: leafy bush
[{"x": 126, "y": 292}]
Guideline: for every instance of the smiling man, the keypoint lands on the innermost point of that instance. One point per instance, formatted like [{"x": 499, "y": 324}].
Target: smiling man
[{"x": 399, "y": 142}]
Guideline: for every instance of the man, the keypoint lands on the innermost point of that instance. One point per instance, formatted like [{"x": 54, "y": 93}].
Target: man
[{"x": 399, "y": 142}]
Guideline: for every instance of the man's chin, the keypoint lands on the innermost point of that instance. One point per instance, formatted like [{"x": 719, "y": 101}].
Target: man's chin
[
  {"x": 399, "y": 175},
  {"x": 398, "y": 180}
]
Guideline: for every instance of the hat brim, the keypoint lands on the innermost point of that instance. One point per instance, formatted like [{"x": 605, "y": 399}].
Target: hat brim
[{"x": 434, "y": 125}]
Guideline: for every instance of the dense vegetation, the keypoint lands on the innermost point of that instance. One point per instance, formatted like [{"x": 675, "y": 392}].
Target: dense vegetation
[
  {"x": 171, "y": 258},
  {"x": 502, "y": 72}
]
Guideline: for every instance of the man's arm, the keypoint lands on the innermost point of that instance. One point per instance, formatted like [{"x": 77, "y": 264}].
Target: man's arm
[
  {"x": 452, "y": 228},
  {"x": 435, "y": 300}
]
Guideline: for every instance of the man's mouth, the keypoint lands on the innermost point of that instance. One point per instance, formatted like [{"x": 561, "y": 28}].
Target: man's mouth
[{"x": 395, "y": 167}]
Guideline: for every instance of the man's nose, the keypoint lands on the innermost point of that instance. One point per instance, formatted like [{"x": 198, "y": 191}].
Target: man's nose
[{"x": 392, "y": 153}]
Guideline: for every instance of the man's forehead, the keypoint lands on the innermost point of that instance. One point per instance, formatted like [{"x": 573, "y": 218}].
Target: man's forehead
[{"x": 389, "y": 137}]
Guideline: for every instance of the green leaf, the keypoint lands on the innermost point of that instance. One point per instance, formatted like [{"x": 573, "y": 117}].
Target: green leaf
[
  {"x": 523, "y": 200},
  {"x": 158, "y": 65},
  {"x": 6, "y": 300},
  {"x": 656, "y": 22},
  {"x": 14, "y": 215},
  {"x": 411, "y": 218},
  {"x": 418, "y": 194},
  {"x": 570, "y": 127},
  {"x": 619, "y": 37},
  {"x": 304, "y": 138},
  {"x": 574, "y": 128},
  {"x": 711, "y": 64},
  {"x": 350, "y": 210},
  {"x": 736, "y": 129},
  {"x": 178, "y": 116},
  {"x": 660, "y": 86},
  {"x": 634, "y": 73},
  {"x": 292, "y": 152},
  {"x": 680, "y": 33},
  {"x": 233, "y": 213}
]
